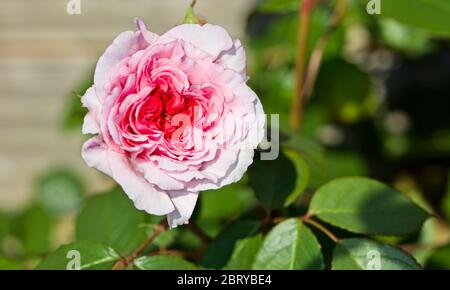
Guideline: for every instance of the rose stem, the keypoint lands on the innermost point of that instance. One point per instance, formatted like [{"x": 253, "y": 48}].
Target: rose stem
[
  {"x": 124, "y": 262},
  {"x": 316, "y": 55},
  {"x": 199, "y": 233},
  {"x": 305, "y": 10},
  {"x": 307, "y": 219}
]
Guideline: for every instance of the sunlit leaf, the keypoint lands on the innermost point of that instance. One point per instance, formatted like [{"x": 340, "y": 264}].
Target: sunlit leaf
[
  {"x": 86, "y": 255},
  {"x": 244, "y": 253},
  {"x": 111, "y": 219},
  {"x": 364, "y": 254},
  {"x": 163, "y": 262},
  {"x": 289, "y": 246},
  {"x": 221, "y": 248},
  {"x": 366, "y": 206},
  {"x": 431, "y": 15}
]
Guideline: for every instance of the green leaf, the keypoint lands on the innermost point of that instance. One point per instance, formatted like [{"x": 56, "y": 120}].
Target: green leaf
[
  {"x": 289, "y": 246},
  {"x": 366, "y": 206},
  {"x": 311, "y": 152},
  {"x": 431, "y": 15},
  {"x": 439, "y": 259},
  {"x": 60, "y": 191},
  {"x": 335, "y": 78},
  {"x": 163, "y": 262},
  {"x": 74, "y": 112},
  {"x": 303, "y": 175},
  {"x": 9, "y": 264},
  {"x": 363, "y": 254},
  {"x": 445, "y": 204},
  {"x": 33, "y": 228},
  {"x": 244, "y": 253},
  {"x": 92, "y": 256},
  {"x": 338, "y": 163},
  {"x": 401, "y": 37},
  {"x": 5, "y": 222},
  {"x": 221, "y": 248},
  {"x": 111, "y": 219},
  {"x": 277, "y": 183},
  {"x": 221, "y": 204}
]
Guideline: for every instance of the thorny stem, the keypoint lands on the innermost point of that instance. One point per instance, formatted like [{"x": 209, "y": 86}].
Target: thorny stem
[
  {"x": 304, "y": 82},
  {"x": 199, "y": 233},
  {"x": 128, "y": 260},
  {"x": 307, "y": 219},
  {"x": 316, "y": 56},
  {"x": 303, "y": 31}
]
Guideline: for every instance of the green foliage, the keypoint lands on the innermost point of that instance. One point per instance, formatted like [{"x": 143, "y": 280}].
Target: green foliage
[
  {"x": 4, "y": 227},
  {"x": 111, "y": 218},
  {"x": 338, "y": 164},
  {"x": 74, "y": 114},
  {"x": 221, "y": 248},
  {"x": 219, "y": 205},
  {"x": 439, "y": 259},
  {"x": 446, "y": 200},
  {"x": 308, "y": 149},
  {"x": 366, "y": 206},
  {"x": 163, "y": 262},
  {"x": 33, "y": 228},
  {"x": 278, "y": 183},
  {"x": 431, "y": 15},
  {"x": 9, "y": 264},
  {"x": 403, "y": 38},
  {"x": 59, "y": 191},
  {"x": 93, "y": 256},
  {"x": 363, "y": 254},
  {"x": 244, "y": 253},
  {"x": 332, "y": 90},
  {"x": 289, "y": 246}
]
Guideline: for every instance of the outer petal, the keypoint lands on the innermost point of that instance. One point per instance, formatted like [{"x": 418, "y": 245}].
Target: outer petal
[
  {"x": 210, "y": 38},
  {"x": 234, "y": 58},
  {"x": 159, "y": 177},
  {"x": 147, "y": 35},
  {"x": 123, "y": 45},
  {"x": 91, "y": 124},
  {"x": 184, "y": 206},
  {"x": 145, "y": 196},
  {"x": 245, "y": 159},
  {"x": 95, "y": 153}
]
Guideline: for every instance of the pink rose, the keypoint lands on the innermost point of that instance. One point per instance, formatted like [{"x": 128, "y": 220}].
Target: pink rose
[{"x": 173, "y": 115}]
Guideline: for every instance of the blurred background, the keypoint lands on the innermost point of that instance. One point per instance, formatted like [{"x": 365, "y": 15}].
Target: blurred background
[
  {"x": 47, "y": 56},
  {"x": 380, "y": 107}
]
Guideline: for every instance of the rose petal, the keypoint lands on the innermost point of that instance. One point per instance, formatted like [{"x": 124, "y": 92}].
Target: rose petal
[
  {"x": 95, "y": 153},
  {"x": 234, "y": 58},
  {"x": 210, "y": 38},
  {"x": 123, "y": 45},
  {"x": 148, "y": 36},
  {"x": 145, "y": 196},
  {"x": 184, "y": 206},
  {"x": 91, "y": 120},
  {"x": 156, "y": 176}
]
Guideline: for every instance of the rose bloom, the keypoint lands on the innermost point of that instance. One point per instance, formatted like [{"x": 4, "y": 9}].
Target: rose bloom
[{"x": 172, "y": 115}]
